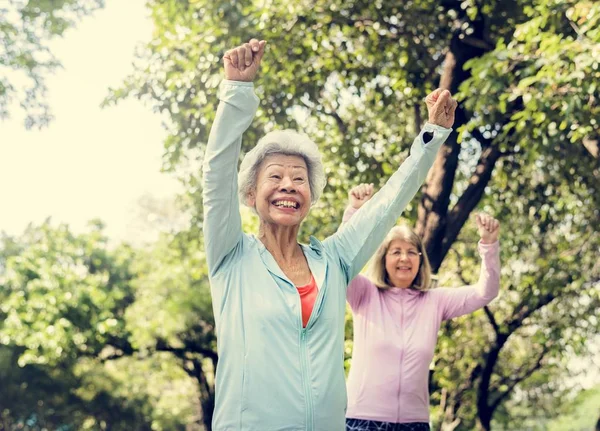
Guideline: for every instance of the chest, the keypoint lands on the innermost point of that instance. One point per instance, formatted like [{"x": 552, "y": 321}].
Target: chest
[
  {"x": 297, "y": 270},
  {"x": 263, "y": 294},
  {"x": 392, "y": 321}
]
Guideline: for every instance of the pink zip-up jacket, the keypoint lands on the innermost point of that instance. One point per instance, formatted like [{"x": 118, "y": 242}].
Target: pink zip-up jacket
[{"x": 395, "y": 333}]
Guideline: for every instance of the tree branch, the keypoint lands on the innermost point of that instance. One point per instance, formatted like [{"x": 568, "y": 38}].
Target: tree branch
[
  {"x": 471, "y": 196},
  {"x": 338, "y": 120},
  {"x": 514, "y": 382},
  {"x": 126, "y": 349},
  {"x": 522, "y": 311},
  {"x": 492, "y": 319}
]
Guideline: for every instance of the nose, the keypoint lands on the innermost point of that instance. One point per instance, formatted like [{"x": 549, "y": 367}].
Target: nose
[{"x": 287, "y": 185}]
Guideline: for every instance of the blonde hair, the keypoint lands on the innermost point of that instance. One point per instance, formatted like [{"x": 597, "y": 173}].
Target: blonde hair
[{"x": 377, "y": 272}]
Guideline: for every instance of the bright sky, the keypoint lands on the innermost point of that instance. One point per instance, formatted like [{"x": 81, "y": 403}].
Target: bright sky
[{"x": 90, "y": 162}]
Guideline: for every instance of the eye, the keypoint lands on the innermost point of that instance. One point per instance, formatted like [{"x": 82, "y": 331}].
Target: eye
[
  {"x": 275, "y": 176},
  {"x": 299, "y": 179}
]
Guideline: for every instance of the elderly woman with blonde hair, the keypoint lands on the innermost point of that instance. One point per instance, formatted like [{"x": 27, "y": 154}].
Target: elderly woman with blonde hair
[
  {"x": 279, "y": 305},
  {"x": 397, "y": 315}
]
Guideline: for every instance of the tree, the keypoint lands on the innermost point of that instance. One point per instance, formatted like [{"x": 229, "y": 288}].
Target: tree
[
  {"x": 173, "y": 314},
  {"x": 25, "y": 58},
  {"x": 352, "y": 75},
  {"x": 62, "y": 299}
]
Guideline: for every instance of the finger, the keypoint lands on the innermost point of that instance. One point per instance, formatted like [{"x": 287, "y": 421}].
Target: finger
[
  {"x": 248, "y": 54},
  {"x": 370, "y": 189},
  {"x": 442, "y": 99},
  {"x": 261, "y": 51},
  {"x": 478, "y": 220},
  {"x": 241, "y": 51},
  {"x": 233, "y": 56},
  {"x": 433, "y": 96},
  {"x": 486, "y": 222},
  {"x": 450, "y": 106},
  {"x": 454, "y": 105},
  {"x": 254, "y": 44},
  {"x": 495, "y": 225}
]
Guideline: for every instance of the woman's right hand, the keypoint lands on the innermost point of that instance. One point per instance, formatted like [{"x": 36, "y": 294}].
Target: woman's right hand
[
  {"x": 242, "y": 63},
  {"x": 360, "y": 194}
]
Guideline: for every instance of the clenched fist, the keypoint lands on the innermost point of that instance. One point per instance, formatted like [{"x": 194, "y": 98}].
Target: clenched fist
[
  {"x": 360, "y": 194},
  {"x": 242, "y": 63},
  {"x": 488, "y": 228},
  {"x": 441, "y": 107}
]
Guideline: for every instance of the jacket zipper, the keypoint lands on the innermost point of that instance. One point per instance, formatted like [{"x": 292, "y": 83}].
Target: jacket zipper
[
  {"x": 304, "y": 358},
  {"x": 401, "y": 356},
  {"x": 305, "y": 380}
]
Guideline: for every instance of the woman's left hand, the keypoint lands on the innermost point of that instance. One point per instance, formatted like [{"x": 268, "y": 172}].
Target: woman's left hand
[
  {"x": 441, "y": 108},
  {"x": 488, "y": 228}
]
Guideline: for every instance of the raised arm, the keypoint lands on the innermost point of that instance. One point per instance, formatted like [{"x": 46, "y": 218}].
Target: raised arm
[
  {"x": 454, "y": 302},
  {"x": 358, "y": 239},
  {"x": 238, "y": 104},
  {"x": 360, "y": 286}
]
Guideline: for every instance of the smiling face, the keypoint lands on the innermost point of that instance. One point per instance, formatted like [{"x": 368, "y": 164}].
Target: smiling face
[
  {"x": 402, "y": 262},
  {"x": 282, "y": 193}
]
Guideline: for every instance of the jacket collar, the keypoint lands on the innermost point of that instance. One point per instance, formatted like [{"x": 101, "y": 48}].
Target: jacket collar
[{"x": 314, "y": 253}]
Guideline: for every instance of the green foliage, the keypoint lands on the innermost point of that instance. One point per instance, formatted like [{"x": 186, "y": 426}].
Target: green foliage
[
  {"x": 545, "y": 79},
  {"x": 352, "y": 75},
  {"x": 68, "y": 291},
  {"x": 130, "y": 331},
  {"x": 63, "y": 303}
]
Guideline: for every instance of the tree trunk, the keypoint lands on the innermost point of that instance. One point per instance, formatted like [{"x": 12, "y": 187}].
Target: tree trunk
[
  {"x": 433, "y": 209},
  {"x": 207, "y": 398}
]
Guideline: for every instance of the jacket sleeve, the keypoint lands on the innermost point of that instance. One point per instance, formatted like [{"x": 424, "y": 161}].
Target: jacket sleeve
[
  {"x": 358, "y": 291},
  {"x": 454, "y": 302},
  {"x": 358, "y": 238},
  {"x": 222, "y": 221}
]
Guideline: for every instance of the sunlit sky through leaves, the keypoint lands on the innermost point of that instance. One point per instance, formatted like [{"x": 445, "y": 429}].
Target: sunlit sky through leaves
[{"x": 90, "y": 162}]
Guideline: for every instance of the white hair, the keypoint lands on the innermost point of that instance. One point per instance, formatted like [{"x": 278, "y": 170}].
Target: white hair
[{"x": 288, "y": 143}]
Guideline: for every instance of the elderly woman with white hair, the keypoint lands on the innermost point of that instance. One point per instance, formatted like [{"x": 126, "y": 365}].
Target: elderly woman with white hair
[{"x": 279, "y": 305}]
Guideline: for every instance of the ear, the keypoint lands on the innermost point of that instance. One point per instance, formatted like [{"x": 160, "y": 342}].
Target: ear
[{"x": 251, "y": 199}]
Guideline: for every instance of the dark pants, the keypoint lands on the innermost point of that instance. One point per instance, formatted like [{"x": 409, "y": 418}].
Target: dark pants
[{"x": 368, "y": 425}]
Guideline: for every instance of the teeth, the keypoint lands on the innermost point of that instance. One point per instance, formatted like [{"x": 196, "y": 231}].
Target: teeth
[{"x": 287, "y": 204}]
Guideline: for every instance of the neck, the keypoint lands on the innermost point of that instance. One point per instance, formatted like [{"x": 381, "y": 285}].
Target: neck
[
  {"x": 400, "y": 284},
  {"x": 281, "y": 241}
]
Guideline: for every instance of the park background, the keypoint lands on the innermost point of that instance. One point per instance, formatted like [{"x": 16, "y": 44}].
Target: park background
[{"x": 105, "y": 312}]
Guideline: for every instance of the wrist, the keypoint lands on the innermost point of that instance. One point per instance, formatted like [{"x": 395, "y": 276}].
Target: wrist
[
  {"x": 238, "y": 82},
  {"x": 488, "y": 240},
  {"x": 433, "y": 127}
]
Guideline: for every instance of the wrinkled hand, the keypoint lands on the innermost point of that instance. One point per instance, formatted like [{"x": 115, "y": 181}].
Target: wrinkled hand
[
  {"x": 488, "y": 228},
  {"x": 242, "y": 63},
  {"x": 441, "y": 107},
  {"x": 360, "y": 194}
]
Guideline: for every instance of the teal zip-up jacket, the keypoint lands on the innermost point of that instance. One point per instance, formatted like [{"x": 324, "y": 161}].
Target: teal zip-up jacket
[{"x": 273, "y": 374}]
